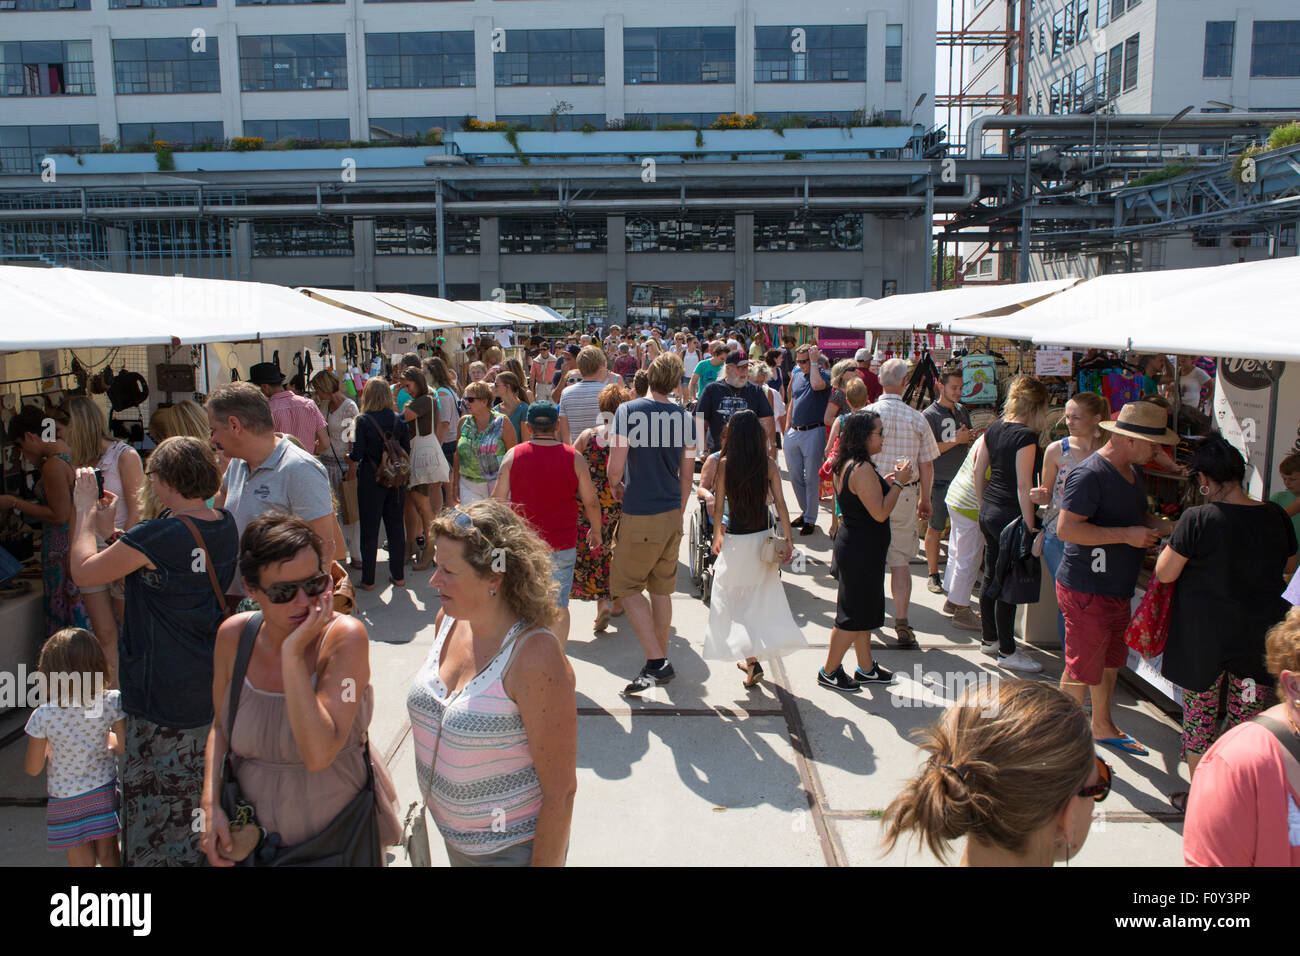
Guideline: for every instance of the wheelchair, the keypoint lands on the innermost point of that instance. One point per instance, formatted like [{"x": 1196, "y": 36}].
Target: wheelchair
[{"x": 701, "y": 552}]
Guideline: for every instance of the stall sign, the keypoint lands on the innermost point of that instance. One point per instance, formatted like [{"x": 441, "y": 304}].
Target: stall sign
[
  {"x": 1243, "y": 392},
  {"x": 1054, "y": 363},
  {"x": 839, "y": 344}
]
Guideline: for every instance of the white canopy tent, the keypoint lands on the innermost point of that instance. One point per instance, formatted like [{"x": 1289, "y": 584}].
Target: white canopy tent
[
  {"x": 369, "y": 304},
  {"x": 922, "y": 311},
  {"x": 822, "y": 313},
  {"x": 1234, "y": 310},
  {"x": 521, "y": 312},
  {"x": 430, "y": 312},
  {"x": 122, "y": 308}
]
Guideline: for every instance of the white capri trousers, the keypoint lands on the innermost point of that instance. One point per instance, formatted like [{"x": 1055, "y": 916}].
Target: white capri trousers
[{"x": 965, "y": 546}]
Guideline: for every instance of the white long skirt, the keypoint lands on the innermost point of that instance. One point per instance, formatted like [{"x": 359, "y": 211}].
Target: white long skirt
[
  {"x": 748, "y": 613},
  {"x": 428, "y": 463}
]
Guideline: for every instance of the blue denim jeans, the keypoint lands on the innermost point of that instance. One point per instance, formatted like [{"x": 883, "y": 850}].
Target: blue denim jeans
[{"x": 1053, "y": 553}]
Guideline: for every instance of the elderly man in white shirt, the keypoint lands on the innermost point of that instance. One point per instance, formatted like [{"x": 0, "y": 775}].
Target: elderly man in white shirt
[{"x": 906, "y": 435}]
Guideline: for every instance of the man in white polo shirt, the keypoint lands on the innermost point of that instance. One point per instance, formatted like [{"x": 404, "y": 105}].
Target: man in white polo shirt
[{"x": 266, "y": 471}]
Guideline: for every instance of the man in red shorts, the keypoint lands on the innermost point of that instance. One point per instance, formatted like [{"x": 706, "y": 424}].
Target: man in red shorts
[{"x": 1107, "y": 530}]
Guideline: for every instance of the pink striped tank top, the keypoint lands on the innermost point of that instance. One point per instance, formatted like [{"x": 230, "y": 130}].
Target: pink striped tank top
[{"x": 471, "y": 754}]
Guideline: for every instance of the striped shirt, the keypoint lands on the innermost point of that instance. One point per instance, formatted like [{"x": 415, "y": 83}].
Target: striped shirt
[
  {"x": 961, "y": 490},
  {"x": 298, "y": 416},
  {"x": 580, "y": 406},
  {"x": 472, "y": 759}
]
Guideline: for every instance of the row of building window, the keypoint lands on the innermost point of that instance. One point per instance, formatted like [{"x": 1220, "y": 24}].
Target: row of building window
[
  {"x": 409, "y": 237},
  {"x": 1274, "y": 48},
  {"x": 1114, "y": 72},
  {"x": 440, "y": 60}
]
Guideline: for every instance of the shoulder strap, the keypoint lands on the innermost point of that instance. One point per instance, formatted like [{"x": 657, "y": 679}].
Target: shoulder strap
[
  {"x": 1290, "y": 743},
  {"x": 246, "y": 639},
  {"x": 207, "y": 561}
]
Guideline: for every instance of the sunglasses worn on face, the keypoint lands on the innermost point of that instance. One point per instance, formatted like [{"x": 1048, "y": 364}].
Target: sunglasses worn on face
[
  {"x": 1099, "y": 791},
  {"x": 282, "y": 592}
]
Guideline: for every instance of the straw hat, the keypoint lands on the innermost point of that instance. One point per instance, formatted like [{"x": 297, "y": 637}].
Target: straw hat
[{"x": 1143, "y": 420}]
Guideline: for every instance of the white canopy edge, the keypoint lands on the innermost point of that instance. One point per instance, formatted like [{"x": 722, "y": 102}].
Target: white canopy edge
[
  {"x": 430, "y": 312},
  {"x": 366, "y": 303},
  {"x": 922, "y": 311},
  {"x": 120, "y": 308},
  {"x": 522, "y": 312},
  {"x": 1233, "y": 310}
]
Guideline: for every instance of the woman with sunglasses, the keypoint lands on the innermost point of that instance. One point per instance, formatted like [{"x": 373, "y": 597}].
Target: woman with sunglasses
[
  {"x": 297, "y": 744},
  {"x": 1012, "y": 767},
  {"x": 168, "y": 633},
  {"x": 493, "y": 715},
  {"x": 485, "y": 435}
]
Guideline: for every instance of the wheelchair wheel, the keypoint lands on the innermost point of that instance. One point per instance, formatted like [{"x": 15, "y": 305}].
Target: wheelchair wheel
[
  {"x": 706, "y": 585},
  {"x": 695, "y": 550}
]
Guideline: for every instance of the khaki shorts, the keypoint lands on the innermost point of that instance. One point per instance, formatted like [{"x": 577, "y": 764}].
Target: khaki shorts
[
  {"x": 902, "y": 529},
  {"x": 645, "y": 554}
]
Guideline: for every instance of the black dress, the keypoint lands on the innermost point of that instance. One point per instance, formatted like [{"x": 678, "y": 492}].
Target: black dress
[{"x": 858, "y": 559}]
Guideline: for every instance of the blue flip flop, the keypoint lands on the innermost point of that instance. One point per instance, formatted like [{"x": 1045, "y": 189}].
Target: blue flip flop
[{"x": 1126, "y": 743}]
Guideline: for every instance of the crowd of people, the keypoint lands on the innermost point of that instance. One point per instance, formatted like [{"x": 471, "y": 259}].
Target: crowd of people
[{"x": 209, "y": 585}]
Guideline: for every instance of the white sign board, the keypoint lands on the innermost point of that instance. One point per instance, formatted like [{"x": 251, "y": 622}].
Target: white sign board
[{"x": 1054, "y": 362}]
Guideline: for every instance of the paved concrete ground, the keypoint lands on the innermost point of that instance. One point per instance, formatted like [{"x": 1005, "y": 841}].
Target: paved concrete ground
[{"x": 704, "y": 772}]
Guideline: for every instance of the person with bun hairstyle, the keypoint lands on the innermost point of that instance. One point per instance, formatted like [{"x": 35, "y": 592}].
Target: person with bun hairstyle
[
  {"x": 1013, "y": 769},
  {"x": 1227, "y": 557},
  {"x": 1246, "y": 790}
]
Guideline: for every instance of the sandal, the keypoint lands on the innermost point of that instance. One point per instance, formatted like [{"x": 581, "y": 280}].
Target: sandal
[
  {"x": 602, "y": 620},
  {"x": 906, "y": 636},
  {"x": 1126, "y": 744},
  {"x": 753, "y": 673},
  {"x": 1178, "y": 800}
]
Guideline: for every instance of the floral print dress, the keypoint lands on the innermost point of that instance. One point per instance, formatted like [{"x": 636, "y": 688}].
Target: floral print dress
[{"x": 591, "y": 572}]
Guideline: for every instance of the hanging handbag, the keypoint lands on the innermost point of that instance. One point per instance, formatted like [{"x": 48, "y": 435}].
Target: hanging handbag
[
  {"x": 345, "y": 596},
  {"x": 352, "y": 838},
  {"x": 1149, "y": 628},
  {"x": 772, "y": 547},
  {"x": 349, "y": 505}
]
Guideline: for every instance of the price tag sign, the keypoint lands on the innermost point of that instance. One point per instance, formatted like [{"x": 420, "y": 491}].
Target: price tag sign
[{"x": 1054, "y": 362}]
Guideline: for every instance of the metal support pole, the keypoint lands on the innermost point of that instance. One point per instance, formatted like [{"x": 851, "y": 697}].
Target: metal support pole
[
  {"x": 1024, "y": 220},
  {"x": 441, "y": 239},
  {"x": 938, "y": 265},
  {"x": 929, "y": 230}
]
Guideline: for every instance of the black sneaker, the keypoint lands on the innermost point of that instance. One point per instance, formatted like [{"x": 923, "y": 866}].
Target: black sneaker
[
  {"x": 838, "y": 680},
  {"x": 798, "y": 523},
  {"x": 808, "y": 529},
  {"x": 935, "y": 584},
  {"x": 878, "y": 675},
  {"x": 650, "y": 677}
]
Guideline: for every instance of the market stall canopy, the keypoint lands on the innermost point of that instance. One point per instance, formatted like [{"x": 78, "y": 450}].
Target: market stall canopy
[
  {"x": 126, "y": 308},
  {"x": 430, "y": 312},
  {"x": 44, "y": 315},
  {"x": 527, "y": 312},
  {"x": 1234, "y": 310},
  {"x": 773, "y": 314},
  {"x": 933, "y": 311},
  {"x": 822, "y": 313},
  {"x": 366, "y": 303}
]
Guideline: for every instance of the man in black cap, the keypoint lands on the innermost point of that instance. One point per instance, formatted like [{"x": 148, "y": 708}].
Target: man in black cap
[
  {"x": 732, "y": 393},
  {"x": 294, "y": 415}
]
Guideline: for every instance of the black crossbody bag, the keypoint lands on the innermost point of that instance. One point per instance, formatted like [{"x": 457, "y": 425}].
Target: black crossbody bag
[{"x": 350, "y": 839}]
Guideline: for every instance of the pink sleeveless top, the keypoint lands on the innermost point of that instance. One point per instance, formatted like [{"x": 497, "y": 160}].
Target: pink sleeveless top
[{"x": 471, "y": 754}]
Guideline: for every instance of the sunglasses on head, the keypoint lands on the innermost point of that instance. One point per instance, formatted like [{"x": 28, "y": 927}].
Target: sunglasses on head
[
  {"x": 1099, "y": 791},
  {"x": 282, "y": 592}
]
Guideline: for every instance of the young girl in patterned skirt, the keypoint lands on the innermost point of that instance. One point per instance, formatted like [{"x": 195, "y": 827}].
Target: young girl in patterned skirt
[{"x": 76, "y": 730}]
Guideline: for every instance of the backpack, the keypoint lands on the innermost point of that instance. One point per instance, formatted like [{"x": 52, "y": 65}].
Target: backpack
[{"x": 394, "y": 468}]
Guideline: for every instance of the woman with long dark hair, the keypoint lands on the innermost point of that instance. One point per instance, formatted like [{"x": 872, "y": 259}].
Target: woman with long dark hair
[
  {"x": 861, "y": 548},
  {"x": 748, "y": 612}
]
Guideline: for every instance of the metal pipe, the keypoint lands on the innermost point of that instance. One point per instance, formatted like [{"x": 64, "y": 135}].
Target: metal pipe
[{"x": 442, "y": 242}]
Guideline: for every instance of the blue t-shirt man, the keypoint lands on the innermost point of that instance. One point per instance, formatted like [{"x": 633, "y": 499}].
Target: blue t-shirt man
[
  {"x": 808, "y": 404},
  {"x": 1095, "y": 491},
  {"x": 656, "y": 434}
]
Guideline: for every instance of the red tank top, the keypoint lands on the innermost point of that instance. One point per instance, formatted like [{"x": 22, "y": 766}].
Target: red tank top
[{"x": 544, "y": 489}]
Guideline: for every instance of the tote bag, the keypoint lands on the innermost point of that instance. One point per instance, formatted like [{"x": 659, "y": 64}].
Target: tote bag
[{"x": 1149, "y": 628}]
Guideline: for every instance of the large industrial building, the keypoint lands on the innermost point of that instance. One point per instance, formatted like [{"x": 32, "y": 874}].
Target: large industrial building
[{"x": 574, "y": 217}]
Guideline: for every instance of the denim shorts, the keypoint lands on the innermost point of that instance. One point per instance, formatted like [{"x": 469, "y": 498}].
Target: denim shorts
[{"x": 562, "y": 563}]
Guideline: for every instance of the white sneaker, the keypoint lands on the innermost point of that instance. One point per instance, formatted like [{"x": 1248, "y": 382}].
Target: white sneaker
[
  {"x": 991, "y": 648},
  {"x": 1019, "y": 662}
]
